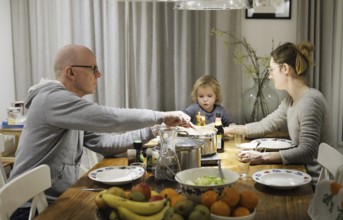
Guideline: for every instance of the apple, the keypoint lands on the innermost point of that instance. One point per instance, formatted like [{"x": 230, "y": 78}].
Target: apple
[
  {"x": 144, "y": 188},
  {"x": 155, "y": 198}
]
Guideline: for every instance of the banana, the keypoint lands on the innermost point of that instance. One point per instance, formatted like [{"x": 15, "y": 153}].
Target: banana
[
  {"x": 141, "y": 208},
  {"x": 127, "y": 214}
]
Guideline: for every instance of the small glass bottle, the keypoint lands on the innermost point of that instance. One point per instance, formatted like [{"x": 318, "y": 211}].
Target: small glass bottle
[
  {"x": 200, "y": 120},
  {"x": 220, "y": 133},
  {"x": 137, "y": 144},
  {"x": 149, "y": 159}
]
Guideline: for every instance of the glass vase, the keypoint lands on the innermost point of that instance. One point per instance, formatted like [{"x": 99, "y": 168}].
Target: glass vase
[
  {"x": 259, "y": 101},
  {"x": 168, "y": 163}
]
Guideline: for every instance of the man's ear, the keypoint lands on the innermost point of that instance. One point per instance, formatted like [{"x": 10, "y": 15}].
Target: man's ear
[{"x": 69, "y": 73}]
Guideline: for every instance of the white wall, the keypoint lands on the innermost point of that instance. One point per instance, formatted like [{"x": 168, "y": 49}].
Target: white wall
[
  {"x": 260, "y": 33},
  {"x": 7, "y": 92}
]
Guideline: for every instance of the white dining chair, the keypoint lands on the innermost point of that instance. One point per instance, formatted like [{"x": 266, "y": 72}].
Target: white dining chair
[
  {"x": 3, "y": 177},
  {"x": 89, "y": 159},
  {"x": 331, "y": 161},
  {"x": 27, "y": 186}
]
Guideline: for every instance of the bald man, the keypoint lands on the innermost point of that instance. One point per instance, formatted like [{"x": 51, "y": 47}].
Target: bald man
[{"x": 59, "y": 122}]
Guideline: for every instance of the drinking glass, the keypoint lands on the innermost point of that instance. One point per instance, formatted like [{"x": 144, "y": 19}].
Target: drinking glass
[
  {"x": 243, "y": 167},
  {"x": 131, "y": 156},
  {"x": 135, "y": 172}
]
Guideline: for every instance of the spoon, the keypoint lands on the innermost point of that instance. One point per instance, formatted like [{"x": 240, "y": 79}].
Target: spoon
[
  {"x": 221, "y": 175},
  {"x": 191, "y": 125}
]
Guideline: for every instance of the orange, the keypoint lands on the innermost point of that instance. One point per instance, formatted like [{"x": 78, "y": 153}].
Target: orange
[
  {"x": 175, "y": 199},
  {"x": 220, "y": 208},
  {"x": 208, "y": 198},
  {"x": 248, "y": 199},
  {"x": 335, "y": 187},
  {"x": 230, "y": 196},
  {"x": 240, "y": 211},
  {"x": 170, "y": 192}
]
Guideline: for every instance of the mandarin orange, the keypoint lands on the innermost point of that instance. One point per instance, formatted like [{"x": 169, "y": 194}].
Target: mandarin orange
[
  {"x": 208, "y": 198},
  {"x": 230, "y": 196},
  {"x": 220, "y": 208},
  {"x": 170, "y": 192},
  {"x": 248, "y": 199},
  {"x": 240, "y": 211}
]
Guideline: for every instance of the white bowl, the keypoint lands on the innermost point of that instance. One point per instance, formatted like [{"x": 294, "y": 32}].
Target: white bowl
[
  {"x": 248, "y": 217},
  {"x": 192, "y": 191}
]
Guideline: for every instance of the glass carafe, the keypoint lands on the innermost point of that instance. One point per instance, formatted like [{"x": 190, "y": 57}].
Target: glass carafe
[{"x": 168, "y": 163}]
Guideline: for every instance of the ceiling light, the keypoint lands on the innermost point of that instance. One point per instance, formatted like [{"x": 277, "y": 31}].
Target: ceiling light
[{"x": 213, "y": 4}]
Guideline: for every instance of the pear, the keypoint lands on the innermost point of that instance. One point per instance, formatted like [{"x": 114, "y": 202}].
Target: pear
[
  {"x": 184, "y": 207},
  {"x": 137, "y": 196}
]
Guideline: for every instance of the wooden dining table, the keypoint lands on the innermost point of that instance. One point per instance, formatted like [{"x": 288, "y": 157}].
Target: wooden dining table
[{"x": 77, "y": 203}]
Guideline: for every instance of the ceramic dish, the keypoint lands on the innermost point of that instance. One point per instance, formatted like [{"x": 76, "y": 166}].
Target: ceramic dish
[
  {"x": 193, "y": 192},
  {"x": 248, "y": 217},
  {"x": 282, "y": 178},
  {"x": 273, "y": 144},
  {"x": 247, "y": 146},
  {"x": 116, "y": 175}
]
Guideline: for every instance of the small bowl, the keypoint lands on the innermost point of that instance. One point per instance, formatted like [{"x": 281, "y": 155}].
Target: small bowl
[
  {"x": 192, "y": 191},
  {"x": 248, "y": 217}
]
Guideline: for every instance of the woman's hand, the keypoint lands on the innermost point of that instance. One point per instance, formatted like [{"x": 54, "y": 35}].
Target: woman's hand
[
  {"x": 255, "y": 157},
  {"x": 234, "y": 129}
]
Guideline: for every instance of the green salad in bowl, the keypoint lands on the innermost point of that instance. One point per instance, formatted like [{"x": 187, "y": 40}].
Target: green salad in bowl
[
  {"x": 196, "y": 181},
  {"x": 207, "y": 181}
]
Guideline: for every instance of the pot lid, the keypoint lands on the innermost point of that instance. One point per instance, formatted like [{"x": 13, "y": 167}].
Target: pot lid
[{"x": 185, "y": 142}]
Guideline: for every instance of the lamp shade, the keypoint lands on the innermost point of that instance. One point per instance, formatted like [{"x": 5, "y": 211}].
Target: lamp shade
[{"x": 213, "y": 4}]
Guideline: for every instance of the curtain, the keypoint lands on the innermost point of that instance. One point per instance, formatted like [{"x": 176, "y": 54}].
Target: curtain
[
  {"x": 322, "y": 24},
  {"x": 149, "y": 54}
]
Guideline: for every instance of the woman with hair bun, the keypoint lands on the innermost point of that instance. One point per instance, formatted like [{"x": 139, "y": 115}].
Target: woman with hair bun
[{"x": 304, "y": 111}]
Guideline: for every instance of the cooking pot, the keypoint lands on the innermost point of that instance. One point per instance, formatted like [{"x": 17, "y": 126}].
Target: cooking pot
[
  {"x": 207, "y": 135},
  {"x": 189, "y": 152}
]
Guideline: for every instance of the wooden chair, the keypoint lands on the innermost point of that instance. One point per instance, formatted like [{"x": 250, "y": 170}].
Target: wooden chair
[
  {"x": 331, "y": 161},
  {"x": 27, "y": 186}
]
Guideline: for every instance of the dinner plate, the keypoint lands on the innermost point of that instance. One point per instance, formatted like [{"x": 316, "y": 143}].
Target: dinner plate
[
  {"x": 282, "y": 178},
  {"x": 116, "y": 175},
  {"x": 247, "y": 146},
  {"x": 273, "y": 144}
]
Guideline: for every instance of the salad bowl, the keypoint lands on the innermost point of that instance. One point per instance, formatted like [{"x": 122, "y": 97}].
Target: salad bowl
[{"x": 196, "y": 181}]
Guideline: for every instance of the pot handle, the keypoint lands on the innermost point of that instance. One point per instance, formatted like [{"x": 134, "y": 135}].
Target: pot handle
[{"x": 183, "y": 132}]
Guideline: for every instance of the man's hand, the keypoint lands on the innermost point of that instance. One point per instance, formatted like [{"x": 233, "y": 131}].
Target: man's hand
[{"x": 176, "y": 118}]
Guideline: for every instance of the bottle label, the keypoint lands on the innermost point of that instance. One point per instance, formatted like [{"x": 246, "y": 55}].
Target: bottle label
[{"x": 219, "y": 141}]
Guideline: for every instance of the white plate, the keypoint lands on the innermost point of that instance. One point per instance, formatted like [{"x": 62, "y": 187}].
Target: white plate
[
  {"x": 274, "y": 143},
  {"x": 248, "y": 146},
  {"x": 116, "y": 175},
  {"x": 282, "y": 178}
]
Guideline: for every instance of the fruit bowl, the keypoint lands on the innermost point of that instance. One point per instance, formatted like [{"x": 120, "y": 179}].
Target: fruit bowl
[
  {"x": 247, "y": 217},
  {"x": 186, "y": 179}
]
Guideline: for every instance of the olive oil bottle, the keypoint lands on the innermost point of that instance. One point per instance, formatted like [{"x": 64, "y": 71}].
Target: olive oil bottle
[{"x": 220, "y": 133}]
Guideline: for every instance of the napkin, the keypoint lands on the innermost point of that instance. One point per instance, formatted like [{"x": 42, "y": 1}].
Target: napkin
[{"x": 327, "y": 202}]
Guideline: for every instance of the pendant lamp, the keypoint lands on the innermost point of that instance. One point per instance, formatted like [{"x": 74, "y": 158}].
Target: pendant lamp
[{"x": 213, "y": 4}]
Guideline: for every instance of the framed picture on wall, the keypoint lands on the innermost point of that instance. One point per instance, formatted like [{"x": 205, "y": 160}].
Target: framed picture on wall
[{"x": 269, "y": 9}]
